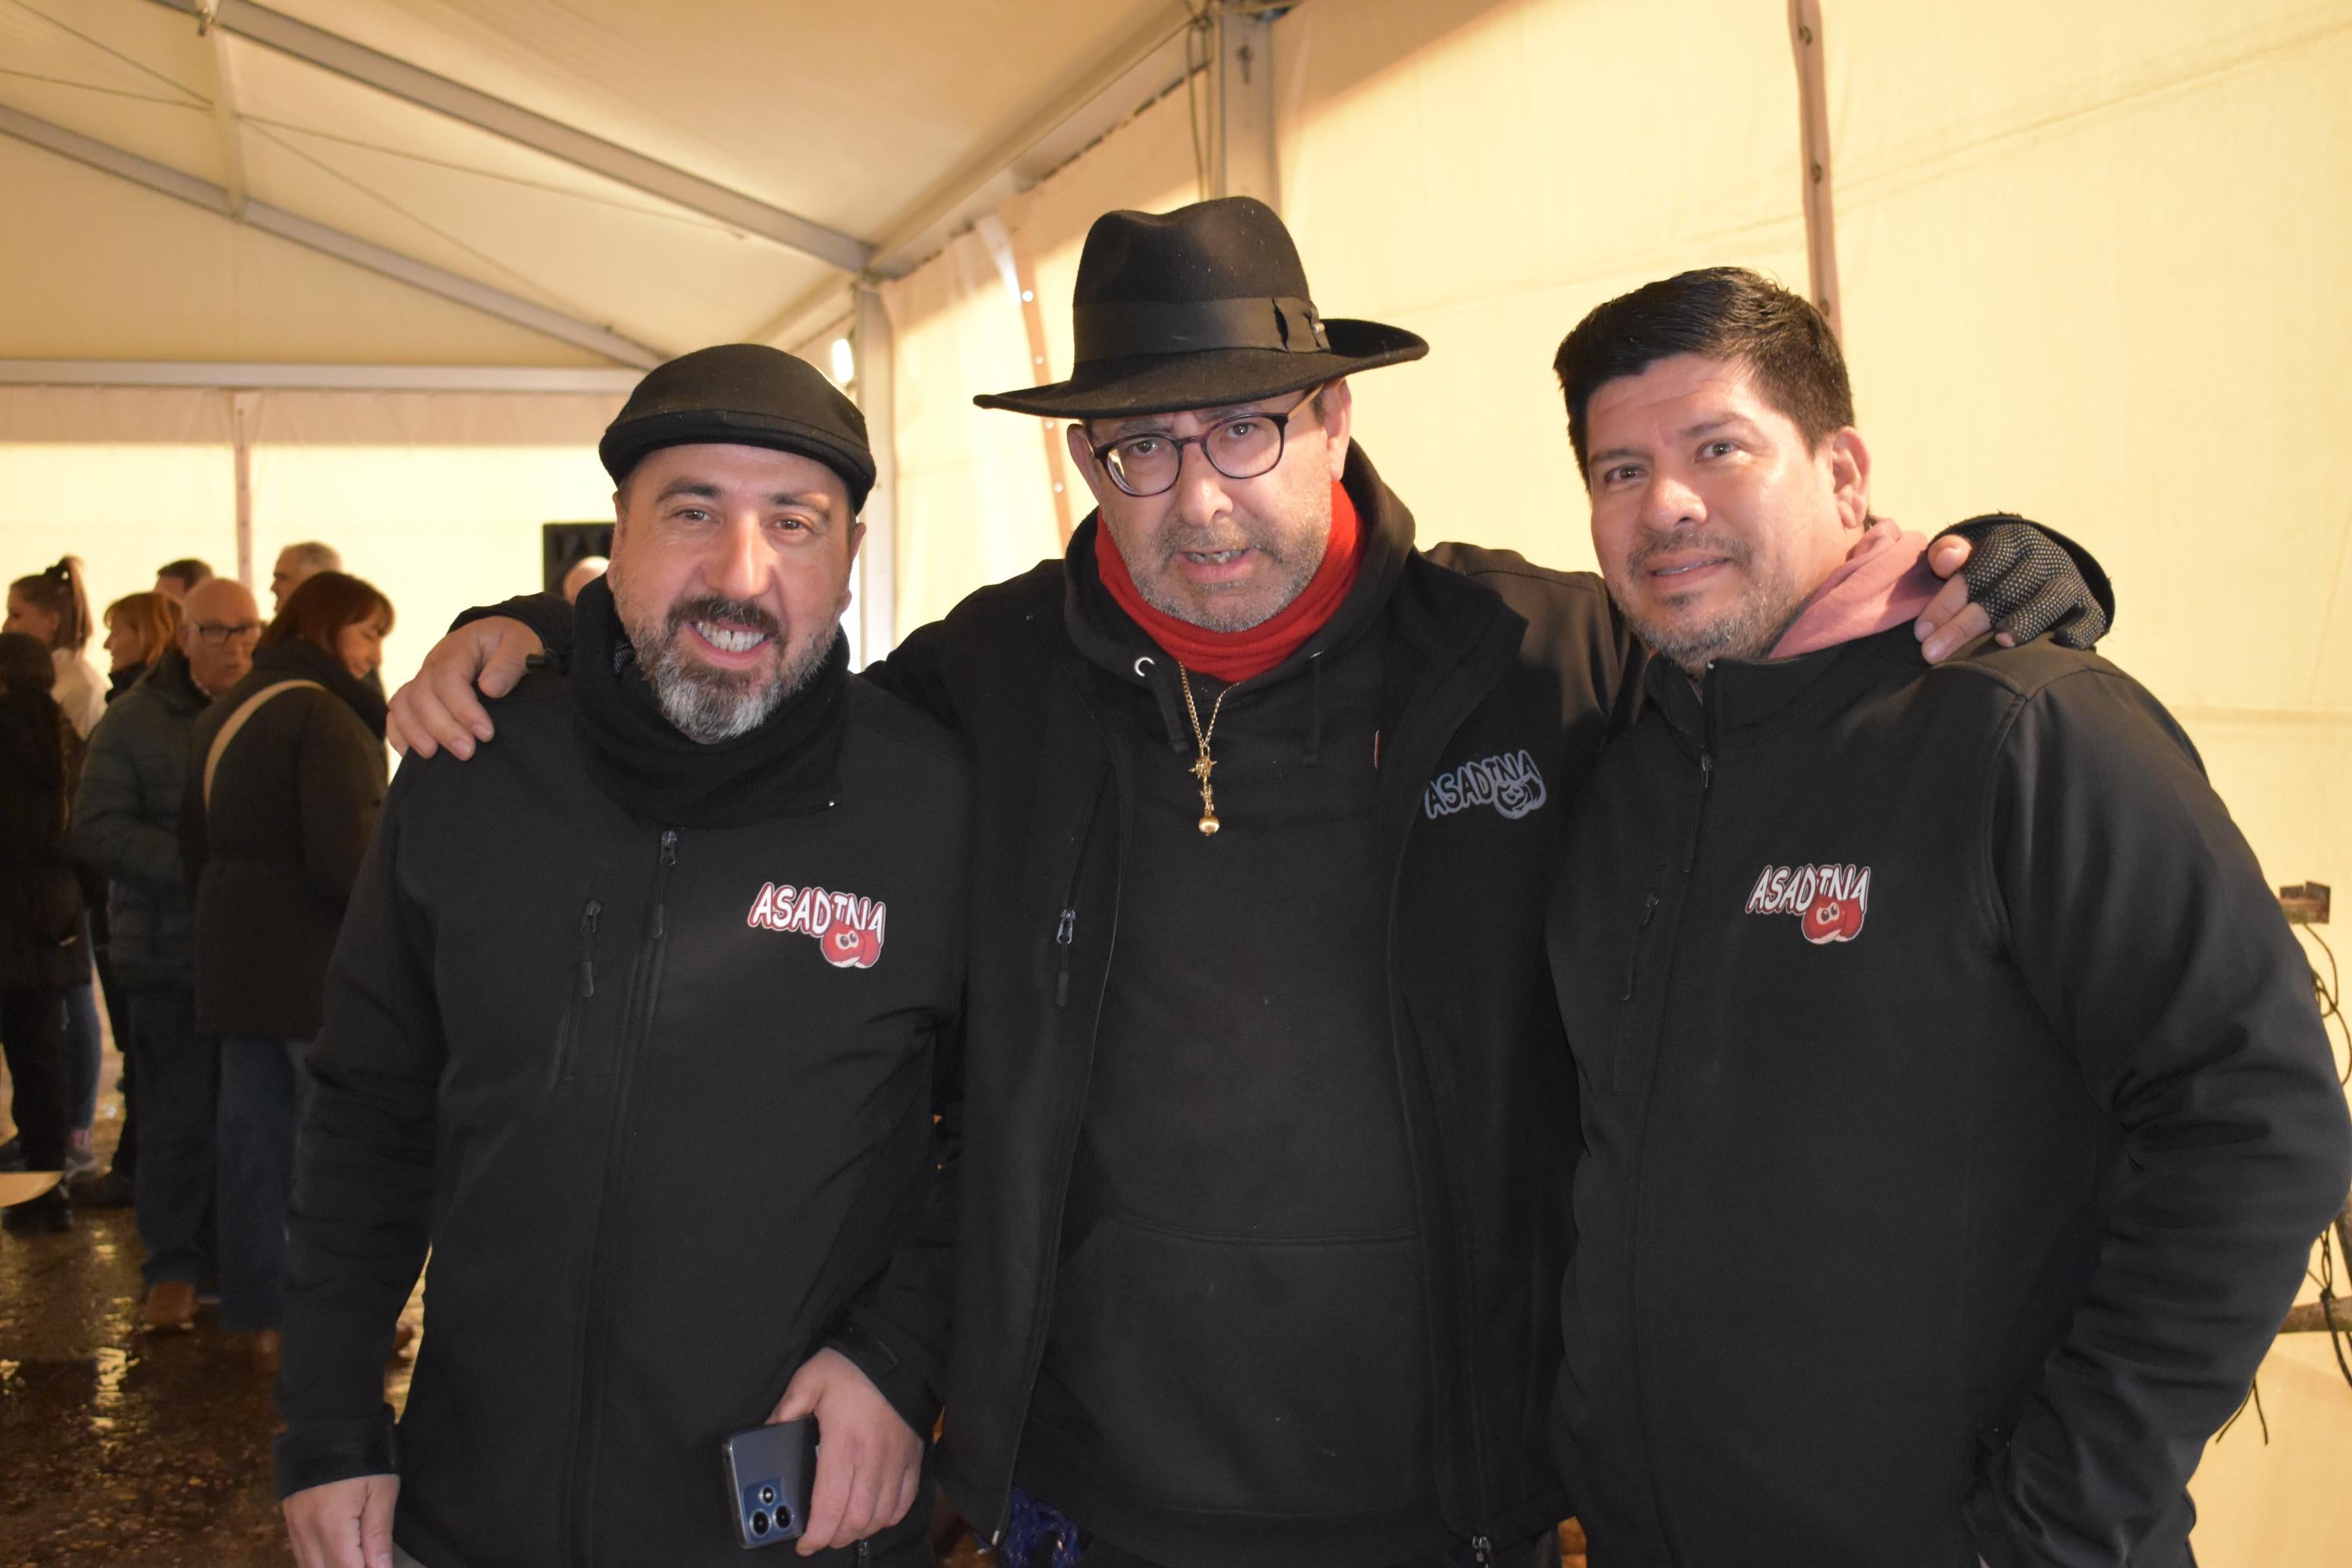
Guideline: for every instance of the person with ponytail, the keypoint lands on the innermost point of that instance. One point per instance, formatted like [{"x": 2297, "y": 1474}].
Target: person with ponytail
[
  {"x": 52, "y": 605},
  {"x": 44, "y": 949}
]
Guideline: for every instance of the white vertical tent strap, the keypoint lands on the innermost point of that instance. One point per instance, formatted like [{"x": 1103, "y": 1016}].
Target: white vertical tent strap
[
  {"x": 1243, "y": 163},
  {"x": 245, "y": 417},
  {"x": 878, "y": 558},
  {"x": 1813, "y": 126},
  {"x": 1003, "y": 233}
]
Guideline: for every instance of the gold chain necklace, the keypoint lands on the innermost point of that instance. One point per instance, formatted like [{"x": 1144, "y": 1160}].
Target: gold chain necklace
[{"x": 1207, "y": 764}]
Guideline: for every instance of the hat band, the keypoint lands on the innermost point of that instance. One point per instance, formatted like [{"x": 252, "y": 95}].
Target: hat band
[{"x": 1129, "y": 328}]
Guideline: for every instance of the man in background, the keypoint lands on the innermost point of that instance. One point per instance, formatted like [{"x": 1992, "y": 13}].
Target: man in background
[
  {"x": 297, "y": 562},
  {"x": 126, "y": 824},
  {"x": 175, "y": 578},
  {"x": 584, "y": 571}
]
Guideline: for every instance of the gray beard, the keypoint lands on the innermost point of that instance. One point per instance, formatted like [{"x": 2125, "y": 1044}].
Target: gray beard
[
  {"x": 1190, "y": 616},
  {"x": 709, "y": 705}
]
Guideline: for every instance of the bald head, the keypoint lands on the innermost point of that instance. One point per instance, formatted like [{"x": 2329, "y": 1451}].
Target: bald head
[
  {"x": 219, "y": 623},
  {"x": 584, "y": 571}
]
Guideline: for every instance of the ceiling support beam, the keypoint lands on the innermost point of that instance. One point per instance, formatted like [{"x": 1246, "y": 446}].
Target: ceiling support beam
[
  {"x": 330, "y": 51},
  {"x": 334, "y": 242},
  {"x": 225, "y": 126},
  {"x": 1813, "y": 154},
  {"x": 214, "y": 374}
]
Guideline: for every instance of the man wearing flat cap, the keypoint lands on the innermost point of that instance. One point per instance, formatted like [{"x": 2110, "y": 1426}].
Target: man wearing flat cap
[
  {"x": 1264, "y": 1198},
  {"x": 635, "y": 1025}
]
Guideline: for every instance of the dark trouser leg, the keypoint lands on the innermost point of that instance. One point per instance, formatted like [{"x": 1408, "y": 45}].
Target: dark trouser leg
[
  {"x": 117, "y": 1003},
  {"x": 84, "y": 1048},
  {"x": 174, "y": 1191},
  {"x": 32, "y": 1034},
  {"x": 260, "y": 1085}
]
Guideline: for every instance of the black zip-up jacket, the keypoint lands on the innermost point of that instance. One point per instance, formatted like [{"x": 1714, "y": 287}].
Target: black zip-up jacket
[
  {"x": 661, "y": 1099},
  {"x": 1957, "y": 1118}
]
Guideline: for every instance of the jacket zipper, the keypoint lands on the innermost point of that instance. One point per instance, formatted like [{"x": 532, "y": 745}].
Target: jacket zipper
[
  {"x": 635, "y": 1025},
  {"x": 1657, "y": 1052},
  {"x": 567, "y": 1041},
  {"x": 1634, "y": 956},
  {"x": 1066, "y": 933}
]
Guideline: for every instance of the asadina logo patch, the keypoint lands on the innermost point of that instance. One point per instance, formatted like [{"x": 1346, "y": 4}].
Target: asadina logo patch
[
  {"x": 848, "y": 929},
  {"x": 1829, "y": 901}
]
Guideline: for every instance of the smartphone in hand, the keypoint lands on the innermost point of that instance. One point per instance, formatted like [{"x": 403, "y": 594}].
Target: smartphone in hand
[{"x": 770, "y": 1471}]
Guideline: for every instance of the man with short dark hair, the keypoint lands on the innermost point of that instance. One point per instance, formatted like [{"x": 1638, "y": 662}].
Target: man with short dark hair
[
  {"x": 175, "y": 578},
  {"x": 1957, "y": 1115},
  {"x": 644, "y": 1027},
  {"x": 126, "y": 823},
  {"x": 1264, "y": 1195}
]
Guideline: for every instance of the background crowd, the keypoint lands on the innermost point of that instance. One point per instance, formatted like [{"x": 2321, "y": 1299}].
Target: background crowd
[{"x": 178, "y": 836}]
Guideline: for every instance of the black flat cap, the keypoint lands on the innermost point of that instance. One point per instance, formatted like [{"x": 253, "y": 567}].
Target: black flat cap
[{"x": 742, "y": 394}]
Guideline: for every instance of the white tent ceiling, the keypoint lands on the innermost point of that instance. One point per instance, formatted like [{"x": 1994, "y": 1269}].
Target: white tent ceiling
[{"x": 865, "y": 125}]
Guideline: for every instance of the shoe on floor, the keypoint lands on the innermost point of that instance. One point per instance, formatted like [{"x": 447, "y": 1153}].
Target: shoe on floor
[
  {"x": 81, "y": 1154},
  {"x": 51, "y": 1212},
  {"x": 111, "y": 1190},
  {"x": 170, "y": 1305}
]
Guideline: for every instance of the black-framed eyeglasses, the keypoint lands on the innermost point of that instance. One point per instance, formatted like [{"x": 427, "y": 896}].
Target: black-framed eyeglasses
[
  {"x": 1240, "y": 448},
  {"x": 218, "y": 635}
]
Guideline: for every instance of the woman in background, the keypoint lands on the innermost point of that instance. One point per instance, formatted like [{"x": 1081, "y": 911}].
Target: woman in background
[
  {"x": 52, "y": 605},
  {"x": 138, "y": 627},
  {"x": 42, "y": 948},
  {"x": 286, "y": 776}
]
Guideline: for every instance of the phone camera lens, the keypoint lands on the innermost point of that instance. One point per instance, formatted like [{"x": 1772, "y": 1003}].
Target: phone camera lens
[
  {"x": 768, "y": 1496},
  {"x": 760, "y": 1522}
]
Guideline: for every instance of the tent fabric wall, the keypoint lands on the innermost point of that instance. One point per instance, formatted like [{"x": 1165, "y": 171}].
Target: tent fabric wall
[
  {"x": 437, "y": 498},
  {"x": 2093, "y": 278},
  {"x": 2099, "y": 280}
]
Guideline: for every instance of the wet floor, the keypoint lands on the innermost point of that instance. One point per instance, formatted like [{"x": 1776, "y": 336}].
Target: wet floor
[{"x": 120, "y": 1447}]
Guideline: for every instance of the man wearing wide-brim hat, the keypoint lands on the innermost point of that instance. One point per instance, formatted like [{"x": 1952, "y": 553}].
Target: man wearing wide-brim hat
[{"x": 1270, "y": 1122}]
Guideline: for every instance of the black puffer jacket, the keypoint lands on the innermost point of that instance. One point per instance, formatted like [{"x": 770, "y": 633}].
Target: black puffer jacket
[
  {"x": 274, "y": 857},
  {"x": 127, "y": 819},
  {"x": 41, "y": 941}
]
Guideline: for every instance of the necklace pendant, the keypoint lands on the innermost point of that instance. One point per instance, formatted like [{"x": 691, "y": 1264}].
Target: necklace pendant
[{"x": 1208, "y": 823}]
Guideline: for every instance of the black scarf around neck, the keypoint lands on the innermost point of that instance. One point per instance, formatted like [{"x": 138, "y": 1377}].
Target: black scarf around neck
[{"x": 638, "y": 757}]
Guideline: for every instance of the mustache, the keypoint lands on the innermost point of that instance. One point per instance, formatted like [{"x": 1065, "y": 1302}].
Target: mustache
[
  {"x": 711, "y": 607},
  {"x": 1731, "y": 549}
]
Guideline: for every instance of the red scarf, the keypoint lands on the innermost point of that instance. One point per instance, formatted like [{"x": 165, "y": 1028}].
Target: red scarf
[{"x": 1237, "y": 656}]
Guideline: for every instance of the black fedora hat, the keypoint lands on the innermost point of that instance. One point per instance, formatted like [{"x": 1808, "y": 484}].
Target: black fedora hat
[{"x": 1199, "y": 308}]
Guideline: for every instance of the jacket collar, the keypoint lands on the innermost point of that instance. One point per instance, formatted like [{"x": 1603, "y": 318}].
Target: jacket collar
[
  {"x": 790, "y": 765},
  {"x": 295, "y": 659},
  {"x": 170, "y": 682},
  {"x": 1741, "y": 701}
]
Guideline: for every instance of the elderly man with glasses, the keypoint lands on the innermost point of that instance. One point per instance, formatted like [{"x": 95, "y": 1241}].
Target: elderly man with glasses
[{"x": 1270, "y": 1123}]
